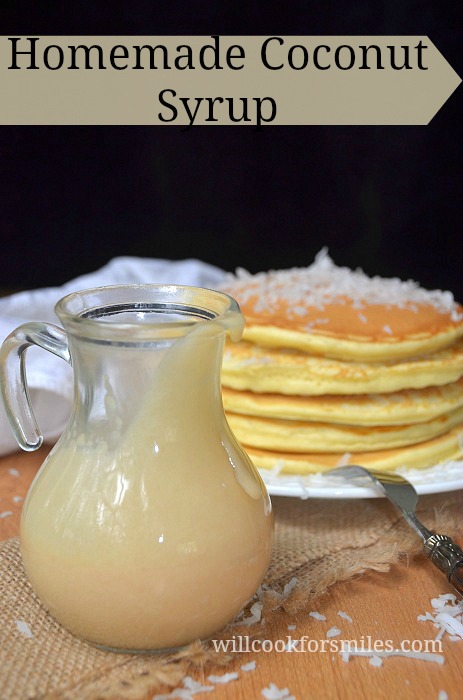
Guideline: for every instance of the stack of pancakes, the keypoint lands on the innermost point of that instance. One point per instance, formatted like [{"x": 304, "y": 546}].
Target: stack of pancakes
[{"x": 336, "y": 367}]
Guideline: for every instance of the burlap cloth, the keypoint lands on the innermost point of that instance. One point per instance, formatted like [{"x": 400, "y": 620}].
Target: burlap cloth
[{"x": 318, "y": 542}]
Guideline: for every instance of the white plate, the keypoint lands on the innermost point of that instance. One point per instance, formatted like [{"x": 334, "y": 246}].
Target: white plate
[{"x": 438, "y": 479}]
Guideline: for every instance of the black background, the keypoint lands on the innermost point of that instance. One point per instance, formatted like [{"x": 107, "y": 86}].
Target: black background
[{"x": 387, "y": 199}]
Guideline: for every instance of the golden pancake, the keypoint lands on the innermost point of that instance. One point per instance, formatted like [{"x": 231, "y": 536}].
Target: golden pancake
[
  {"x": 304, "y": 436},
  {"x": 422, "y": 455},
  {"x": 337, "y": 312},
  {"x": 407, "y": 406},
  {"x": 267, "y": 370}
]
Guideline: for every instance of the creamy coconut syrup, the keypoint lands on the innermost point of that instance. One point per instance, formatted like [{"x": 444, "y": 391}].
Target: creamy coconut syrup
[{"x": 159, "y": 534}]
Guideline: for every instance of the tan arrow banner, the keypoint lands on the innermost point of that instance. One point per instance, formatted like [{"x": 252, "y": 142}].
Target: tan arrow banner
[{"x": 222, "y": 80}]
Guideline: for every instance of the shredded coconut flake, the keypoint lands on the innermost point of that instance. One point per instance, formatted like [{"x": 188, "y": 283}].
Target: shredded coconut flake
[
  {"x": 257, "y": 606},
  {"x": 347, "y": 652},
  {"x": 299, "y": 311},
  {"x": 273, "y": 692},
  {"x": 276, "y": 469},
  {"x": 24, "y": 628},
  {"x": 291, "y": 627},
  {"x": 447, "y": 616},
  {"x": 376, "y": 661},
  {"x": 256, "y": 614},
  {"x": 304, "y": 491},
  {"x": 317, "y": 615},
  {"x": 291, "y": 644},
  {"x": 225, "y": 678},
  {"x": 13, "y": 472},
  {"x": 249, "y": 666},
  {"x": 190, "y": 688},
  {"x": 344, "y": 616},
  {"x": 289, "y": 586},
  {"x": 450, "y": 624},
  {"x": 18, "y": 499},
  {"x": 6, "y": 513},
  {"x": 344, "y": 460},
  {"x": 442, "y": 695},
  {"x": 193, "y": 686},
  {"x": 323, "y": 282},
  {"x": 333, "y": 632}
]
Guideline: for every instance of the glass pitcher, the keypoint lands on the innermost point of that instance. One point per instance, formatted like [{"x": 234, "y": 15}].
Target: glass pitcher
[{"x": 147, "y": 526}]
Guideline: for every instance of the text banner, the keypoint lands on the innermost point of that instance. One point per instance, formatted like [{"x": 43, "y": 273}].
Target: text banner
[{"x": 222, "y": 80}]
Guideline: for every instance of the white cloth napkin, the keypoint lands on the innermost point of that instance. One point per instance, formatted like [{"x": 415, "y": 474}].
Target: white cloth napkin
[{"x": 49, "y": 378}]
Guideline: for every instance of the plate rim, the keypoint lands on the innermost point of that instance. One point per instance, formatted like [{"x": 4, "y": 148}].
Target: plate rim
[{"x": 277, "y": 487}]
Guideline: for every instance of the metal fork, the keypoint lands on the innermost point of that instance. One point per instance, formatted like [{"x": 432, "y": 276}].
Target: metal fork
[{"x": 440, "y": 549}]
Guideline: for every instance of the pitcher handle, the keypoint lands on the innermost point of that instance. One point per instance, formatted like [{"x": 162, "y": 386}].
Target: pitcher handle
[{"x": 13, "y": 376}]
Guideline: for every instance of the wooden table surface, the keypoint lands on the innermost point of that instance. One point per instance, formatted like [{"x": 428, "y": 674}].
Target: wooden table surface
[{"x": 384, "y": 606}]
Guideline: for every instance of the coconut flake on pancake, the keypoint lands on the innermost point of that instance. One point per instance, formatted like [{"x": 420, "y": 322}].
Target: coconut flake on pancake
[{"x": 335, "y": 311}]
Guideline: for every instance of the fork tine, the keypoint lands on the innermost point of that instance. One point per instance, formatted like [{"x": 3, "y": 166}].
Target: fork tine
[{"x": 356, "y": 470}]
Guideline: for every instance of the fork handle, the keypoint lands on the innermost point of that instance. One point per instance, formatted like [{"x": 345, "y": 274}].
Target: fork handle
[{"x": 448, "y": 557}]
